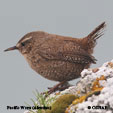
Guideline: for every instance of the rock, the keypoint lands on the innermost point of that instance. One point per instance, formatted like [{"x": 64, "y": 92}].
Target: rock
[{"x": 94, "y": 89}]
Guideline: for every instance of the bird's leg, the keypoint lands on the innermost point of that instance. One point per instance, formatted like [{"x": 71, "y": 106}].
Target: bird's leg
[
  {"x": 61, "y": 86},
  {"x": 49, "y": 87},
  {"x": 56, "y": 87},
  {"x": 64, "y": 86}
]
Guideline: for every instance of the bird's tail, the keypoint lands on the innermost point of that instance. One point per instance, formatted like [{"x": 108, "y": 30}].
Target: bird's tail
[{"x": 90, "y": 40}]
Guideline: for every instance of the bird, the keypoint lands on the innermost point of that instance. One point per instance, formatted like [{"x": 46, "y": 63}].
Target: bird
[{"x": 58, "y": 58}]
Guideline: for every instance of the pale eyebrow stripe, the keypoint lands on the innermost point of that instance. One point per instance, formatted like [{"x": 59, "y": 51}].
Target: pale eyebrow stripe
[{"x": 26, "y": 39}]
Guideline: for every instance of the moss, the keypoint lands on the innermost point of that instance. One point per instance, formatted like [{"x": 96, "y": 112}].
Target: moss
[{"x": 61, "y": 103}]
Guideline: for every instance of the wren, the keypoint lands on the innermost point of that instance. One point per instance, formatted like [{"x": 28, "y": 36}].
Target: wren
[{"x": 58, "y": 58}]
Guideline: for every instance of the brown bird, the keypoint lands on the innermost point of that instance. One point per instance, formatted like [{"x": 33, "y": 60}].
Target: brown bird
[{"x": 58, "y": 58}]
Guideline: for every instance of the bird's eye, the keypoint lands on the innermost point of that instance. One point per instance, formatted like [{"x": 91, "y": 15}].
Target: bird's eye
[{"x": 23, "y": 44}]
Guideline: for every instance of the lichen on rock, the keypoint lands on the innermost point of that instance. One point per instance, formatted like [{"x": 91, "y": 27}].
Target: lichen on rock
[{"x": 96, "y": 88}]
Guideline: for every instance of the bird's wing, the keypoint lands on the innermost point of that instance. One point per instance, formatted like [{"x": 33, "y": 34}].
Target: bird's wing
[{"x": 64, "y": 50}]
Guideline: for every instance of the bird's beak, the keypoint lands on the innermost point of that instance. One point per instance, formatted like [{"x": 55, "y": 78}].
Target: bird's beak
[{"x": 11, "y": 48}]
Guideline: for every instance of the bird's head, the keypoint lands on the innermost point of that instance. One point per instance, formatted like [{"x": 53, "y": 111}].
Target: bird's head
[
  {"x": 29, "y": 41},
  {"x": 24, "y": 45}
]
